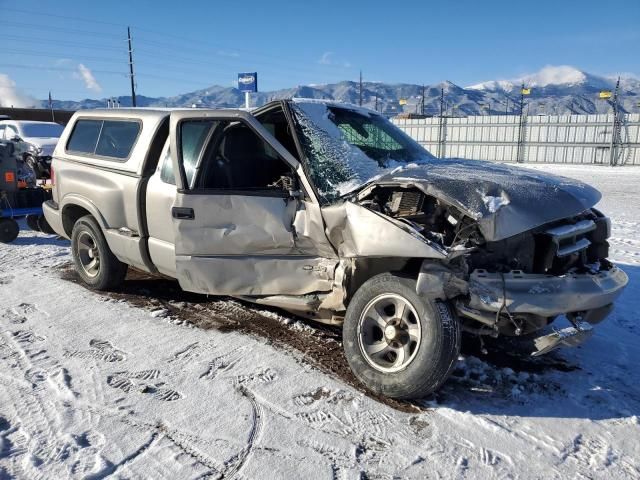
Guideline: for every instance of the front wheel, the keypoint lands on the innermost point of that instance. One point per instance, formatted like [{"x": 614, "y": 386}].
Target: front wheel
[
  {"x": 397, "y": 343},
  {"x": 94, "y": 261}
]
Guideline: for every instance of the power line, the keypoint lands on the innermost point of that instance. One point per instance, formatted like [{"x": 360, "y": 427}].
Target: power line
[
  {"x": 48, "y": 28},
  {"x": 65, "y": 17},
  {"x": 165, "y": 34},
  {"x": 60, "y": 69},
  {"x": 48, "y": 41},
  {"x": 106, "y": 72},
  {"x": 144, "y": 53},
  {"x": 57, "y": 56}
]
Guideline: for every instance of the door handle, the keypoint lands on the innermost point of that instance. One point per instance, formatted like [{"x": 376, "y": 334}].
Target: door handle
[{"x": 182, "y": 213}]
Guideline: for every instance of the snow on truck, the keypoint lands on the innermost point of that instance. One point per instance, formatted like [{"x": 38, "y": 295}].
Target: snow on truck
[{"x": 331, "y": 212}]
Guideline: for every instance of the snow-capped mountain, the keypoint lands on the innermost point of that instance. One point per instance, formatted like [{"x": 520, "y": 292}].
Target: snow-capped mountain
[
  {"x": 549, "y": 76},
  {"x": 554, "y": 90}
]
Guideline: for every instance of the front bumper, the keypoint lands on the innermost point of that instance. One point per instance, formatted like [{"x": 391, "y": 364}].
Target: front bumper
[{"x": 545, "y": 295}]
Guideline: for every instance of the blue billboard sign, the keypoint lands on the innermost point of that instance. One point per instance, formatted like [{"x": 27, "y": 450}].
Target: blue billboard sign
[{"x": 248, "y": 82}]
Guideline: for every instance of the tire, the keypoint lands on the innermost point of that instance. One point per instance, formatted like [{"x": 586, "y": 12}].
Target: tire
[
  {"x": 44, "y": 226},
  {"x": 32, "y": 222},
  {"x": 430, "y": 338},
  {"x": 9, "y": 230},
  {"x": 88, "y": 245}
]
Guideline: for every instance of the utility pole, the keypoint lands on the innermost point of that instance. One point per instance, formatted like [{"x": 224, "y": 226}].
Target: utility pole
[
  {"x": 615, "y": 131},
  {"x": 131, "y": 74},
  {"x": 360, "y": 90},
  {"x": 520, "y": 127},
  {"x": 53, "y": 115},
  {"x": 376, "y": 107},
  {"x": 422, "y": 109}
]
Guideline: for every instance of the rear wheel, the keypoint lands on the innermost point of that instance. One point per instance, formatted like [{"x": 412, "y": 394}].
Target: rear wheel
[
  {"x": 9, "y": 230},
  {"x": 93, "y": 259},
  {"x": 398, "y": 343}
]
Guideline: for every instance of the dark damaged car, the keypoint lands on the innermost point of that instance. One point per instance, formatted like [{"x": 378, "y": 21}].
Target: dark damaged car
[{"x": 331, "y": 212}]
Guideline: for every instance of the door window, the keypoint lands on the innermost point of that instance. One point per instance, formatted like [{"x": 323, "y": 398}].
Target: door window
[
  {"x": 166, "y": 170},
  {"x": 193, "y": 136},
  {"x": 233, "y": 158}
]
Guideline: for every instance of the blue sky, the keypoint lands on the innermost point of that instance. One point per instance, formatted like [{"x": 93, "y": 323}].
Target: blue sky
[{"x": 77, "y": 49}]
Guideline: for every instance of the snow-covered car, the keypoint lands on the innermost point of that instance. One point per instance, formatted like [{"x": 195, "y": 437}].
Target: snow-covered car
[
  {"x": 36, "y": 139},
  {"x": 331, "y": 212}
]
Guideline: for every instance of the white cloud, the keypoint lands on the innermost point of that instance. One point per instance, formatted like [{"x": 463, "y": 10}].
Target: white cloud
[
  {"x": 85, "y": 74},
  {"x": 228, "y": 53},
  {"x": 548, "y": 75},
  {"x": 325, "y": 59},
  {"x": 555, "y": 75},
  {"x": 11, "y": 96},
  {"x": 328, "y": 58}
]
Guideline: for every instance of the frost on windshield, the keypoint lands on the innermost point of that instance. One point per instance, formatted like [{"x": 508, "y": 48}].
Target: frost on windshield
[{"x": 339, "y": 164}]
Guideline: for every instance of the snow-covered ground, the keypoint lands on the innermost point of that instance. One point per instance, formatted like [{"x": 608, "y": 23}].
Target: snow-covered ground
[{"x": 92, "y": 386}]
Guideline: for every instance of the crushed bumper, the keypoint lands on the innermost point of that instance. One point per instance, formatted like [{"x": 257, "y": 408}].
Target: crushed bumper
[
  {"x": 567, "y": 337},
  {"x": 545, "y": 295}
]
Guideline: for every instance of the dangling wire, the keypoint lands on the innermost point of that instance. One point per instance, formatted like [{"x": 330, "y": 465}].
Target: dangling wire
[{"x": 504, "y": 308}]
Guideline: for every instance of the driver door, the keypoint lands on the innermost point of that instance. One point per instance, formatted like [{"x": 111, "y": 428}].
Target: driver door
[{"x": 241, "y": 224}]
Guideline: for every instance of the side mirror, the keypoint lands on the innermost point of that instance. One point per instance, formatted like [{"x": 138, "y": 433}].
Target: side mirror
[{"x": 16, "y": 139}]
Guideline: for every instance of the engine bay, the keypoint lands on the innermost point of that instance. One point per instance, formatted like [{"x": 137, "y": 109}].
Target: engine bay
[{"x": 573, "y": 245}]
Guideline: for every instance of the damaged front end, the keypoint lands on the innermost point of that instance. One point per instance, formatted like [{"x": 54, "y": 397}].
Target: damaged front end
[
  {"x": 511, "y": 285},
  {"x": 509, "y": 248}
]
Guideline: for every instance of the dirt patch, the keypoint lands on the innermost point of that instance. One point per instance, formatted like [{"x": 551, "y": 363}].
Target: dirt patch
[{"x": 320, "y": 345}]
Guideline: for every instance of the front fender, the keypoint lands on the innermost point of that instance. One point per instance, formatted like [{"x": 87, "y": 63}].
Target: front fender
[{"x": 356, "y": 231}]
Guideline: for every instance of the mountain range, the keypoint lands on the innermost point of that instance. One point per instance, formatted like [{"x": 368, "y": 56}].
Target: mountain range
[{"x": 554, "y": 90}]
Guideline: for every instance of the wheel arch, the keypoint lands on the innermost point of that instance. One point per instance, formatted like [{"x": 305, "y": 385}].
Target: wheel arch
[
  {"x": 75, "y": 207},
  {"x": 365, "y": 268}
]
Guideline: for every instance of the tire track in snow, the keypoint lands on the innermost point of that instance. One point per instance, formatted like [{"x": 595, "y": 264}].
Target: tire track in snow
[{"x": 235, "y": 464}]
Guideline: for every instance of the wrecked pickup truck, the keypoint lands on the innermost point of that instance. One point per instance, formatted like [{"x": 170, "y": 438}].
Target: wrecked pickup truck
[{"x": 331, "y": 212}]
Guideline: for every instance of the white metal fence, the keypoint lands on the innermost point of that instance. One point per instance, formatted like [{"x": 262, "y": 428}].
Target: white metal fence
[{"x": 538, "y": 139}]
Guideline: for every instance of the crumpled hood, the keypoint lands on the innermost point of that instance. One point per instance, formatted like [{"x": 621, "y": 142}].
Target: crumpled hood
[{"x": 505, "y": 200}]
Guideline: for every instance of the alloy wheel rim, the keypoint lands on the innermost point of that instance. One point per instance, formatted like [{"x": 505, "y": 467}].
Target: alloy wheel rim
[
  {"x": 88, "y": 254},
  {"x": 389, "y": 332}
]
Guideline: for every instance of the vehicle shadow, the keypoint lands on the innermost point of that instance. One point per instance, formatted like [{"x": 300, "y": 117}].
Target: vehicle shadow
[
  {"x": 591, "y": 381},
  {"x": 41, "y": 239},
  {"x": 31, "y": 237}
]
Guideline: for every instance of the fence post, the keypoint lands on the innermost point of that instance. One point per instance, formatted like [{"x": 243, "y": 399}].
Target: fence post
[{"x": 521, "y": 128}]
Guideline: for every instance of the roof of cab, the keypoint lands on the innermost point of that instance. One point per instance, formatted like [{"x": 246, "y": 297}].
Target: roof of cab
[{"x": 144, "y": 112}]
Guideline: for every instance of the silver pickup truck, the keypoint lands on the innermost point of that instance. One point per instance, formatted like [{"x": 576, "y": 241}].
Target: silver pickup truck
[{"x": 331, "y": 212}]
